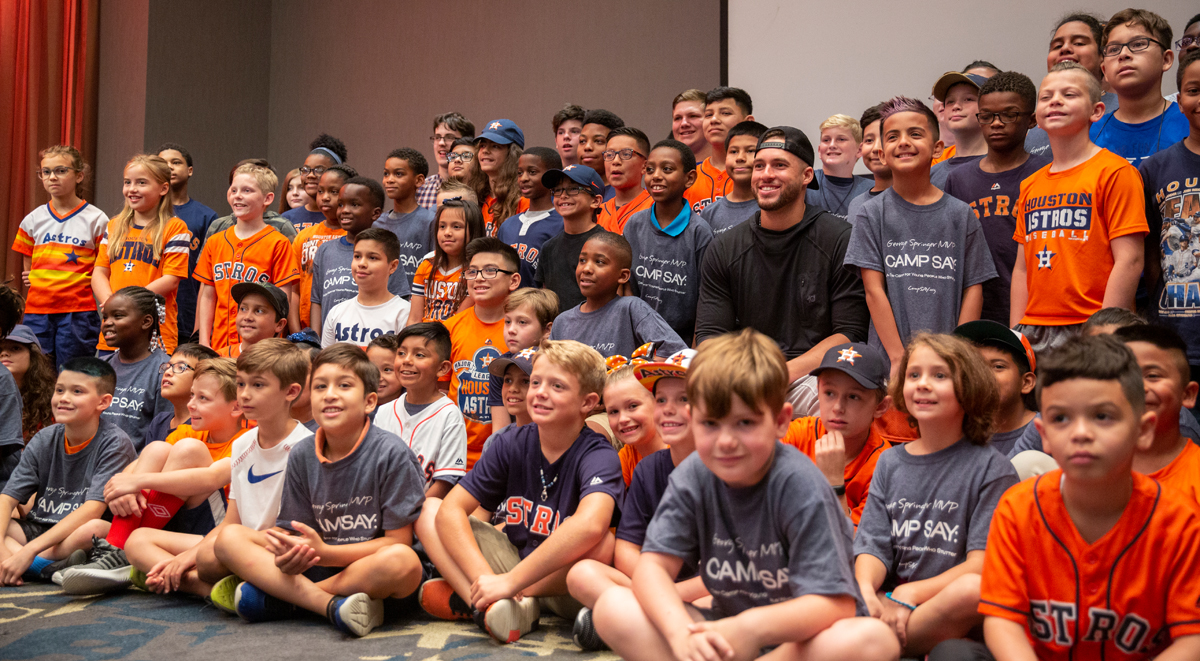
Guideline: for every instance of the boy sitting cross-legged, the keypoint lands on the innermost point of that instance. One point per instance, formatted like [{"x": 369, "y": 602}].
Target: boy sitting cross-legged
[
  {"x": 350, "y": 497},
  {"x": 176, "y": 388},
  {"x": 66, "y": 465},
  {"x": 559, "y": 486},
  {"x": 270, "y": 376},
  {"x": 761, "y": 523}
]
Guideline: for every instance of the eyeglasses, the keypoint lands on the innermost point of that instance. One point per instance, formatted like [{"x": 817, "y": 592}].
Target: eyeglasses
[
  {"x": 1135, "y": 46},
  {"x": 442, "y": 138},
  {"x": 1185, "y": 42},
  {"x": 174, "y": 368},
  {"x": 46, "y": 173},
  {"x": 986, "y": 118},
  {"x": 564, "y": 192},
  {"x": 488, "y": 272},
  {"x": 319, "y": 170},
  {"x": 625, "y": 154},
  {"x": 464, "y": 156}
]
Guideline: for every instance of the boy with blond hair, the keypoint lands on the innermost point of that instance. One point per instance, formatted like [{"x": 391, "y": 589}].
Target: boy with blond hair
[{"x": 841, "y": 141}]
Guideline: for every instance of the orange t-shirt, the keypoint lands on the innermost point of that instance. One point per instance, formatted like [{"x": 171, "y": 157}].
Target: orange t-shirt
[
  {"x": 217, "y": 451},
  {"x": 1066, "y": 221},
  {"x": 232, "y": 351},
  {"x": 491, "y": 224},
  {"x": 803, "y": 434},
  {"x": 711, "y": 183},
  {"x": 1183, "y": 473},
  {"x": 227, "y": 260},
  {"x": 613, "y": 218},
  {"x": 305, "y": 246},
  {"x": 440, "y": 291},
  {"x": 1123, "y": 597},
  {"x": 135, "y": 265},
  {"x": 474, "y": 345},
  {"x": 630, "y": 458},
  {"x": 61, "y": 252},
  {"x": 947, "y": 154}
]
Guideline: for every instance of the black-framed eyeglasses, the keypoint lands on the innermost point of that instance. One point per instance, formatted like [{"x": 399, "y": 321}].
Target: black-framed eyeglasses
[
  {"x": 174, "y": 368},
  {"x": 564, "y": 192},
  {"x": 464, "y": 156},
  {"x": 60, "y": 172},
  {"x": 1135, "y": 46},
  {"x": 1186, "y": 41},
  {"x": 625, "y": 154},
  {"x": 1009, "y": 117},
  {"x": 488, "y": 272},
  {"x": 318, "y": 170},
  {"x": 442, "y": 138}
]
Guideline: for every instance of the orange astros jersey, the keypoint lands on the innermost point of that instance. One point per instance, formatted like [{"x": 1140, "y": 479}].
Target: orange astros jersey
[
  {"x": 62, "y": 252},
  {"x": 711, "y": 183},
  {"x": 135, "y": 266},
  {"x": 1123, "y": 597},
  {"x": 803, "y": 434},
  {"x": 474, "y": 345},
  {"x": 1183, "y": 473},
  {"x": 305, "y": 246},
  {"x": 439, "y": 289},
  {"x": 613, "y": 219},
  {"x": 227, "y": 260},
  {"x": 491, "y": 224}
]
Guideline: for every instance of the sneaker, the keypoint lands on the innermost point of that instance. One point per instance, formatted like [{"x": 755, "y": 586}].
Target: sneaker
[
  {"x": 356, "y": 615},
  {"x": 138, "y": 578},
  {"x": 584, "y": 632},
  {"x": 254, "y": 605},
  {"x": 441, "y": 601},
  {"x": 223, "y": 594},
  {"x": 509, "y": 619},
  {"x": 77, "y": 557}
]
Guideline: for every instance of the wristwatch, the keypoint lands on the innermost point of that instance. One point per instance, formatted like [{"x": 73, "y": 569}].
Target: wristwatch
[{"x": 840, "y": 489}]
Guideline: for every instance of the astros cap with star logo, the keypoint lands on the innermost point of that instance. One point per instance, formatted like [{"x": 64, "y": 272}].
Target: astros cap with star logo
[
  {"x": 502, "y": 132},
  {"x": 523, "y": 359},
  {"x": 860, "y": 362}
]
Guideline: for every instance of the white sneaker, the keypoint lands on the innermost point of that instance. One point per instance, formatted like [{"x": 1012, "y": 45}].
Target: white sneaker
[{"x": 509, "y": 619}]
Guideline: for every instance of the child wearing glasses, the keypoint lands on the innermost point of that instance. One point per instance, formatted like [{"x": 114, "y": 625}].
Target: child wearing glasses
[
  {"x": 624, "y": 160},
  {"x": 58, "y": 242},
  {"x": 458, "y": 161},
  {"x": 448, "y": 129},
  {"x": 578, "y": 192},
  {"x": 327, "y": 151},
  {"x": 527, "y": 231},
  {"x": 992, "y": 185},
  {"x": 375, "y": 311},
  {"x": 1188, "y": 43},
  {"x": 477, "y": 334},
  {"x": 1136, "y": 54},
  {"x": 176, "y": 388},
  {"x": 404, "y": 171}
]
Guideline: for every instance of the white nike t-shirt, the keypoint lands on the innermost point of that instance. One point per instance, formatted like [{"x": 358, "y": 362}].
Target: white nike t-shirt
[{"x": 257, "y": 474}]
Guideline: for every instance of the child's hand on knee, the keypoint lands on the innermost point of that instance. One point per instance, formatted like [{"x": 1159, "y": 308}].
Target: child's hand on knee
[
  {"x": 896, "y": 616},
  {"x": 121, "y": 484},
  {"x": 704, "y": 642},
  {"x": 490, "y": 588}
]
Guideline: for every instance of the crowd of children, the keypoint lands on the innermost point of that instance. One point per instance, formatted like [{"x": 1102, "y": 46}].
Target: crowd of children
[{"x": 693, "y": 395}]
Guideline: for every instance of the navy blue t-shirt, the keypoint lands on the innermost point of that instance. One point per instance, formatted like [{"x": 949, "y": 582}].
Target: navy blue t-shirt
[
  {"x": 495, "y": 398},
  {"x": 528, "y": 239},
  {"x": 513, "y": 474},
  {"x": 646, "y": 489},
  {"x": 301, "y": 218},
  {"x": 160, "y": 427},
  {"x": 1172, "y": 192},
  {"x": 197, "y": 217},
  {"x": 1137, "y": 142}
]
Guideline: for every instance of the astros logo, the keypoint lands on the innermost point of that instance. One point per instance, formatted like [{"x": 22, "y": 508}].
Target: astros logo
[
  {"x": 494, "y": 125},
  {"x": 483, "y": 358},
  {"x": 527, "y": 353},
  {"x": 848, "y": 355}
]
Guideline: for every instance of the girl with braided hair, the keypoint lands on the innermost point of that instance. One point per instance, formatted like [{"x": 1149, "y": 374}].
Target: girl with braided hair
[{"x": 130, "y": 322}]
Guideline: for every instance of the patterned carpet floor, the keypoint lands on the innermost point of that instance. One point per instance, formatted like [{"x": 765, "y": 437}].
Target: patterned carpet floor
[{"x": 40, "y": 622}]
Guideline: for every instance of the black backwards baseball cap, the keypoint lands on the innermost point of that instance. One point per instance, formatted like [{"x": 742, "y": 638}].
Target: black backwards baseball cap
[
  {"x": 991, "y": 334},
  {"x": 860, "y": 362},
  {"x": 275, "y": 295},
  {"x": 793, "y": 141},
  {"x": 952, "y": 78},
  {"x": 580, "y": 174}
]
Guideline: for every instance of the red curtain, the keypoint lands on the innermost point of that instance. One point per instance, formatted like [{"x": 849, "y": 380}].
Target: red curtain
[{"x": 48, "y": 67}]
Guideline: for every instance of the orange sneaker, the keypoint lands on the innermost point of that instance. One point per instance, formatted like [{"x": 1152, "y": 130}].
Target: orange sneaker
[{"x": 441, "y": 601}]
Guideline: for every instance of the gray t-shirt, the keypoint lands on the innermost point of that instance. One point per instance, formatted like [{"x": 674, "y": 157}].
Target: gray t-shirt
[
  {"x": 929, "y": 254},
  {"x": 413, "y": 230},
  {"x": 1003, "y": 442},
  {"x": 835, "y": 193},
  {"x": 269, "y": 217},
  {"x": 780, "y": 539},
  {"x": 617, "y": 329},
  {"x": 12, "y": 438},
  {"x": 924, "y": 513},
  {"x": 723, "y": 215},
  {"x": 138, "y": 397},
  {"x": 378, "y": 487},
  {"x": 666, "y": 269},
  {"x": 64, "y": 481},
  {"x": 333, "y": 281},
  {"x": 857, "y": 203}
]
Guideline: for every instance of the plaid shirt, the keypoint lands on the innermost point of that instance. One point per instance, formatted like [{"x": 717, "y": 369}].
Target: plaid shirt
[{"x": 427, "y": 193}]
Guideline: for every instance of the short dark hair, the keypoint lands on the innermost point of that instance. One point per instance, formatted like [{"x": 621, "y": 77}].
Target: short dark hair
[
  {"x": 1095, "y": 24},
  {"x": 619, "y": 243},
  {"x": 900, "y": 104},
  {"x": 349, "y": 357},
  {"x": 1164, "y": 338},
  {"x": 331, "y": 143},
  {"x": 550, "y": 158},
  {"x": 346, "y": 171},
  {"x": 415, "y": 159},
  {"x": 686, "y": 157},
  {"x": 101, "y": 371},
  {"x": 604, "y": 118},
  {"x": 374, "y": 187},
  {"x": 1185, "y": 62},
  {"x": 387, "y": 341},
  {"x": 569, "y": 111},
  {"x": 493, "y": 245},
  {"x": 1098, "y": 358},
  {"x": 385, "y": 238},
  {"x": 748, "y": 127},
  {"x": 1015, "y": 82},
  {"x": 1111, "y": 317},
  {"x": 638, "y": 136},
  {"x": 12, "y": 305},
  {"x": 739, "y": 96},
  {"x": 1192, "y": 21},
  {"x": 1148, "y": 20},
  {"x": 197, "y": 351},
  {"x": 871, "y": 115},
  {"x": 187, "y": 156},
  {"x": 469, "y": 142},
  {"x": 434, "y": 332},
  {"x": 455, "y": 122},
  {"x": 981, "y": 64}
]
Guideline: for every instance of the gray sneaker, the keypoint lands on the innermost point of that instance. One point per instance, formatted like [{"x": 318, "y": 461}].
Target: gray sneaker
[
  {"x": 77, "y": 557},
  {"x": 107, "y": 571}
]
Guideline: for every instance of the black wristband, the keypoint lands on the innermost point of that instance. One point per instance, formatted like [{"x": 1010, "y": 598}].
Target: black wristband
[{"x": 840, "y": 489}]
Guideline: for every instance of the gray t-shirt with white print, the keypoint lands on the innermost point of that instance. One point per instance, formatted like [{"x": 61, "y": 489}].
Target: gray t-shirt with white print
[
  {"x": 618, "y": 329},
  {"x": 138, "y": 395},
  {"x": 413, "y": 231},
  {"x": 666, "y": 269},
  {"x": 333, "y": 281},
  {"x": 929, "y": 254},
  {"x": 64, "y": 481},
  {"x": 723, "y": 215},
  {"x": 924, "y": 513}
]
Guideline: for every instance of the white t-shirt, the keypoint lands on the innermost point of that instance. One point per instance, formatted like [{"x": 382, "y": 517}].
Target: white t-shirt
[
  {"x": 353, "y": 322},
  {"x": 436, "y": 434},
  {"x": 257, "y": 476}
]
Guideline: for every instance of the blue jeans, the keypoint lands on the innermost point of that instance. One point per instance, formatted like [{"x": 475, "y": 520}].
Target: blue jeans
[{"x": 66, "y": 335}]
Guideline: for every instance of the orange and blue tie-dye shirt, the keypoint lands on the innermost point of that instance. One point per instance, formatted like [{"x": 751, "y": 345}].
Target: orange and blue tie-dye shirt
[{"x": 62, "y": 251}]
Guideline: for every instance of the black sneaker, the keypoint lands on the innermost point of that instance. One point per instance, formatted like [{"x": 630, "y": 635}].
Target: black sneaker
[
  {"x": 77, "y": 557},
  {"x": 584, "y": 632}
]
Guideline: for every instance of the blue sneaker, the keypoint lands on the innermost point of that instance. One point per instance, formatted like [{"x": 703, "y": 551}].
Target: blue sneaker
[
  {"x": 356, "y": 615},
  {"x": 254, "y": 605}
]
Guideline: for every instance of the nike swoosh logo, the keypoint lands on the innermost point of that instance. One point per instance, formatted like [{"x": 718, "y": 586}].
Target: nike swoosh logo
[{"x": 255, "y": 479}]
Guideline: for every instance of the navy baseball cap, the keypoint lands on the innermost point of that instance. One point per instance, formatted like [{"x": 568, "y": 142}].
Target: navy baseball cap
[
  {"x": 580, "y": 174},
  {"x": 993, "y": 334},
  {"x": 952, "y": 78},
  {"x": 523, "y": 359},
  {"x": 503, "y": 132},
  {"x": 307, "y": 336},
  {"x": 275, "y": 295},
  {"x": 860, "y": 362},
  {"x": 793, "y": 141},
  {"x": 24, "y": 335}
]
